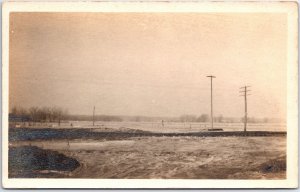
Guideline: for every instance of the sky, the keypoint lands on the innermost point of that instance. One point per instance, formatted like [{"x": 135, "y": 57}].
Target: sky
[{"x": 150, "y": 64}]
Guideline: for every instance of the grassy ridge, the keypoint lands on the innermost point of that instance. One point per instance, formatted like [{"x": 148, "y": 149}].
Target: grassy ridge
[{"x": 22, "y": 134}]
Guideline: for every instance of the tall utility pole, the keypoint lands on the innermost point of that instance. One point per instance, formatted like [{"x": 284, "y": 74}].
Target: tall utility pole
[
  {"x": 94, "y": 116},
  {"x": 244, "y": 90},
  {"x": 211, "y": 100}
]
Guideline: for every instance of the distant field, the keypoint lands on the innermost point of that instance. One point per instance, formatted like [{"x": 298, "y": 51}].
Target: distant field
[{"x": 168, "y": 126}]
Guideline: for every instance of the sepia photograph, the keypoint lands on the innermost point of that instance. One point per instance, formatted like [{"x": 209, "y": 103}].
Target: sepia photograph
[{"x": 150, "y": 92}]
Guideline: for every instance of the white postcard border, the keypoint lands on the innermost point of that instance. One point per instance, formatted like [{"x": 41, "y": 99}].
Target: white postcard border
[{"x": 290, "y": 8}]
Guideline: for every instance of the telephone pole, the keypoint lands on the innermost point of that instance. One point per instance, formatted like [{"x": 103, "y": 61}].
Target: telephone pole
[
  {"x": 94, "y": 116},
  {"x": 211, "y": 100},
  {"x": 244, "y": 90}
]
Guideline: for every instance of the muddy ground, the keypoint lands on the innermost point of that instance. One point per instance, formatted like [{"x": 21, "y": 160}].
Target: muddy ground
[{"x": 169, "y": 157}]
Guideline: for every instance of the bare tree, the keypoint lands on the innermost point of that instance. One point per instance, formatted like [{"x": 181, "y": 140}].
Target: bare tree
[
  {"x": 203, "y": 118},
  {"x": 58, "y": 114},
  {"x": 33, "y": 113},
  {"x": 14, "y": 110}
]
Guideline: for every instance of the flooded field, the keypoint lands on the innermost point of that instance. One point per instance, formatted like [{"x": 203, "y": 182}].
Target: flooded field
[
  {"x": 115, "y": 151},
  {"x": 170, "y": 157}
]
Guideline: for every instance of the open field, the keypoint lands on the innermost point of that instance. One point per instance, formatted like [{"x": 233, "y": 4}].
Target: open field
[
  {"x": 157, "y": 126},
  {"x": 134, "y": 153}
]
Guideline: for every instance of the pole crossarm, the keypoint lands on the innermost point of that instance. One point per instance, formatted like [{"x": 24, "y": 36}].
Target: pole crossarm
[
  {"x": 211, "y": 76},
  {"x": 245, "y": 86},
  {"x": 244, "y": 91}
]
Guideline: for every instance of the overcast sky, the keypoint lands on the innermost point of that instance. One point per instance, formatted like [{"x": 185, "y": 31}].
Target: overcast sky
[{"x": 149, "y": 64}]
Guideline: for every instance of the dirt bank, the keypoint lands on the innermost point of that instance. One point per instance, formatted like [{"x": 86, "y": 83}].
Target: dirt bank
[{"x": 31, "y": 161}]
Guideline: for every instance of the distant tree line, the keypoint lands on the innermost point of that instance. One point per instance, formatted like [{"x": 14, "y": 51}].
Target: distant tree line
[
  {"x": 263, "y": 120},
  {"x": 221, "y": 119},
  {"x": 57, "y": 114},
  {"x": 201, "y": 118},
  {"x": 39, "y": 114},
  {"x": 96, "y": 118}
]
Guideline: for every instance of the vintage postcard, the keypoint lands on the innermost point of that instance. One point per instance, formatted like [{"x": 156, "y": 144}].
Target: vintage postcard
[{"x": 150, "y": 95}]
